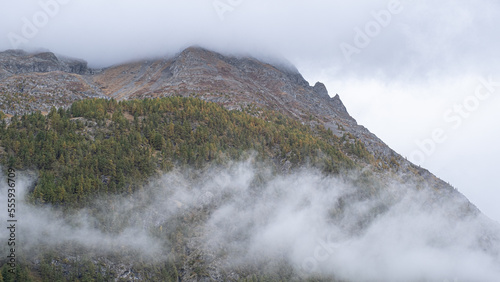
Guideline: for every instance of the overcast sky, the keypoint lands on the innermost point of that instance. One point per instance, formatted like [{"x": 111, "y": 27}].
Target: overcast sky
[{"x": 413, "y": 72}]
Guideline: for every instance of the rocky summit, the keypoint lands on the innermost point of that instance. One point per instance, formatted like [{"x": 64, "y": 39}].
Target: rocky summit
[{"x": 37, "y": 82}]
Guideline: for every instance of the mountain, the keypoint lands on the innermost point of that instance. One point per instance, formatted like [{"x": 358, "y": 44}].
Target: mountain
[
  {"x": 236, "y": 173},
  {"x": 30, "y": 82}
]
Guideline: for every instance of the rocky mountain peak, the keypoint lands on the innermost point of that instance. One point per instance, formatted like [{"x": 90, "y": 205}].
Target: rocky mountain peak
[
  {"x": 14, "y": 62},
  {"x": 46, "y": 56},
  {"x": 320, "y": 88},
  {"x": 233, "y": 81}
]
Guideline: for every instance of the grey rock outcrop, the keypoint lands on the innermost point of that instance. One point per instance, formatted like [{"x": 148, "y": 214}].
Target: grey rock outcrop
[
  {"x": 18, "y": 62},
  {"x": 40, "y": 81},
  {"x": 320, "y": 88}
]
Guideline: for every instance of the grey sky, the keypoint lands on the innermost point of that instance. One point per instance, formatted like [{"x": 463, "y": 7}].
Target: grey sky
[{"x": 408, "y": 62}]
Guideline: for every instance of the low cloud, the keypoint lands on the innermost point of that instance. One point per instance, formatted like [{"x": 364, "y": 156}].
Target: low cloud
[
  {"x": 52, "y": 228},
  {"x": 357, "y": 227}
]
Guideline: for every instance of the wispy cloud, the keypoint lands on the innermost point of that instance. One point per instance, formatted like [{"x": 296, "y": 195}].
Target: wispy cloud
[{"x": 243, "y": 216}]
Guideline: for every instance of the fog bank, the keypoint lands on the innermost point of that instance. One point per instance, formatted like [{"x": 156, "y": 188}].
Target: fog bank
[{"x": 243, "y": 216}]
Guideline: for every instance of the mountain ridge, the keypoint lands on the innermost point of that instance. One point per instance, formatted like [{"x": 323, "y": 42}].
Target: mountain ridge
[
  {"x": 210, "y": 75},
  {"x": 231, "y": 81}
]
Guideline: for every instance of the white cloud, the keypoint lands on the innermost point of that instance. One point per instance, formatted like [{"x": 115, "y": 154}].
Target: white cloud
[{"x": 243, "y": 215}]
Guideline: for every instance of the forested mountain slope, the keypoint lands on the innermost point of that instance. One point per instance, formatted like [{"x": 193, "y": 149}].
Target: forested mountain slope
[{"x": 99, "y": 146}]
